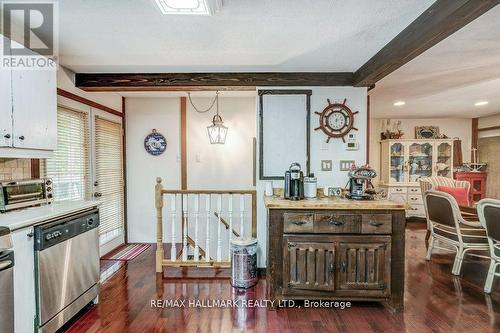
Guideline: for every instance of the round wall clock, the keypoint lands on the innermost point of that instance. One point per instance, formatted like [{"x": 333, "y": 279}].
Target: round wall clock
[
  {"x": 155, "y": 143},
  {"x": 336, "y": 120}
]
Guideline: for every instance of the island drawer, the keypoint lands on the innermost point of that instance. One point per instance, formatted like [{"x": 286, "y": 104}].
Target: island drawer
[
  {"x": 376, "y": 224},
  {"x": 334, "y": 223},
  {"x": 298, "y": 222}
]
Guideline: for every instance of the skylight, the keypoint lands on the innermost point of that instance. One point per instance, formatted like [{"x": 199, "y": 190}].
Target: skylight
[{"x": 188, "y": 7}]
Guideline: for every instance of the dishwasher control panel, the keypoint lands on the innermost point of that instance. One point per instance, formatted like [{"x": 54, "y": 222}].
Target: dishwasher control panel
[{"x": 58, "y": 231}]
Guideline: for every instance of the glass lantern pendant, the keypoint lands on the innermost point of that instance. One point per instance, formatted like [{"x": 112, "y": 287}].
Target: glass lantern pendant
[{"x": 217, "y": 131}]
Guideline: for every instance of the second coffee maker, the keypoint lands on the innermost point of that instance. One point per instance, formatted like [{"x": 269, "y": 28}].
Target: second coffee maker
[{"x": 294, "y": 183}]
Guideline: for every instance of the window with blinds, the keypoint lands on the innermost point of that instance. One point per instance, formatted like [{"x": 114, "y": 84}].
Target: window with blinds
[
  {"x": 109, "y": 175},
  {"x": 69, "y": 167}
]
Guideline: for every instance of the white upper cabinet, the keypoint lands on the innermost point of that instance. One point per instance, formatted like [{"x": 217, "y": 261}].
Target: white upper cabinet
[
  {"x": 34, "y": 100},
  {"x": 5, "y": 108},
  {"x": 28, "y": 112}
]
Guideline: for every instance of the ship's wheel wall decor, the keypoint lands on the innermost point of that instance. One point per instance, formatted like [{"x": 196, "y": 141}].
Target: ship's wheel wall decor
[{"x": 336, "y": 120}]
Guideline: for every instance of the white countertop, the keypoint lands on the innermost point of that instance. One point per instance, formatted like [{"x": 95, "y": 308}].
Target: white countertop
[{"x": 35, "y": 215}]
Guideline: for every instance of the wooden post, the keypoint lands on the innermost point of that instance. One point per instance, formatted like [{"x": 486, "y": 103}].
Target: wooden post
[
  {"x": 159, "y": 224},
  {"x": 254, "y": 214}
]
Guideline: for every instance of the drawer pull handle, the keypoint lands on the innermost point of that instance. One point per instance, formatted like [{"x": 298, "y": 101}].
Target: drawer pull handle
[
  {"x": 414, "y": 199},
  {"x": 337, "y": 223},
  {"x": 299, "y": 222},
  {"x": 375, "y": 223}
]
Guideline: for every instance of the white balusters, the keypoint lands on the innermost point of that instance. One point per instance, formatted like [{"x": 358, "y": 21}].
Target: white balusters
[
  {"x": 219, "y": 212},
  {"x": 230, "y": 214},
  {"x": 196, "y": 215},
  {"x": 173, "y": 208},
  {"x": 242, "y": 214},
  {"x": 185, "y": 227},
  {"x": 207, "y": 242}
]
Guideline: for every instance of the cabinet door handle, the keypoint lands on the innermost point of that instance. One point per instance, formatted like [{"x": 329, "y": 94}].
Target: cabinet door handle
[
  {"x": 343, "y": 267},
  {"x": 375, "y": 223},
  {"x": 30, "y": 234},
  {"x": 332, "y": 268},
  {"x": 299, "y": 222},
  {"x": 21, "y": 137},
  {"x": 7, "y": 136}
]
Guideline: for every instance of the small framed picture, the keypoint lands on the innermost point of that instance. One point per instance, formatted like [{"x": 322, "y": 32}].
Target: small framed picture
[{"x": 426, "y": 132}]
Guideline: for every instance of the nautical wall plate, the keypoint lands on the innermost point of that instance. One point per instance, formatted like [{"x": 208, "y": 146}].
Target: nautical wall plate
[{"x": 155, "y": 143}]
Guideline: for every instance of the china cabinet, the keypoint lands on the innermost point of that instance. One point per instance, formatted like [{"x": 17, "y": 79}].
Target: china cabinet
[{"x": 405, "y": 161}]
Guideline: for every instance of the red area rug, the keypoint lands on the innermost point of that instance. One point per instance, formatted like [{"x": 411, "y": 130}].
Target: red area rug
[{"x": 126, "y": 252}]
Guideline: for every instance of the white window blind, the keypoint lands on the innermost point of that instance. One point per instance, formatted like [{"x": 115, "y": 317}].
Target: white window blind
[
  {"x": 109, "y": 174},
  {"x": 69, "y": 167}
]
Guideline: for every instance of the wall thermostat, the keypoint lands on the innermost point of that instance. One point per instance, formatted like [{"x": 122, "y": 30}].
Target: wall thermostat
[
  {"x": 351, "y": 137},
  {"x": 352, "y": 146}
]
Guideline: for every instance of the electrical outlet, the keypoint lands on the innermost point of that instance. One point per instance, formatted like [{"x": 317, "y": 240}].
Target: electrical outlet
[
  {"x": 346, "y": 165},
  {"x": 326, "y": 165}
]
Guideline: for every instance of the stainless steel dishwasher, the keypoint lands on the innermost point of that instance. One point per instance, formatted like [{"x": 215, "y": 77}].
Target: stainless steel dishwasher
[
  {"x": 66, "y": 268},
  {"x": 6, "y": 282}
]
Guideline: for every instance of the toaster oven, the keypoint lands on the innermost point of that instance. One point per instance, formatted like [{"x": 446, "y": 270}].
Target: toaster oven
[{"x": 17, "y": 194}]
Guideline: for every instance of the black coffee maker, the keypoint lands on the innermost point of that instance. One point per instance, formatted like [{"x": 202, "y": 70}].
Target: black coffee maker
[
  {"x": 360, "y": 183},
  {"x": 294, "y": 183}
]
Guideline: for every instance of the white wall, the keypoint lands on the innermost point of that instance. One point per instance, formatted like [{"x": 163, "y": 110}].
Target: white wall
[
  {"x": 144, "y": 114},
  {"x": 452, "y": 127},
  {"x": 334, "y": 150},
  {"x": 65, "y": 80},
  {"x": 209, "y": 166},
  {"x": 228, "y": 166}
]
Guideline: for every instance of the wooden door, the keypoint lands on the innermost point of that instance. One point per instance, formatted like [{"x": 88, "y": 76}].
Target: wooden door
[
  {"x": 364, "y": 266},
  {"x": 308, "y": 265}
]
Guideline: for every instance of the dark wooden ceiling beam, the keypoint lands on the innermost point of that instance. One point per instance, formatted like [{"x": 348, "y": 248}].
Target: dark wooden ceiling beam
[
  {"x": 206, "y": 81},
  {"x": 439, "y": 21}
]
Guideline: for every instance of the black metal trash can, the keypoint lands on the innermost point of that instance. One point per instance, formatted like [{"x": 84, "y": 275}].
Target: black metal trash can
[{"x": 244, "y": 262}]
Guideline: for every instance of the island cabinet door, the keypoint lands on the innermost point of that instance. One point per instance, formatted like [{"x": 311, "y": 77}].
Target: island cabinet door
[
  {"x": 365, "y": 266},
  {"x": 308, "y": 265}
]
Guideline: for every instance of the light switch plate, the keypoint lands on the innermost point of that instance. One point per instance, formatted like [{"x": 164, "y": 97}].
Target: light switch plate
[
  {"x": 326, "y": 165},
  {"x": 346, "y": 165}
]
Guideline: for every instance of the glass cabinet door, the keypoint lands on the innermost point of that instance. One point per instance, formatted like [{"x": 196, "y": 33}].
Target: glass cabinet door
[
  {"x": 444, "y": 161},
  {"x": 397, "y": 163},
  {"x": 419, "y": 161}
]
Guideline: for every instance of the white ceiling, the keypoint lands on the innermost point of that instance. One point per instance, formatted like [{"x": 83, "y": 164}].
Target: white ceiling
[
  {"x": 246, "y": 35},
  {"x": 448, "y": 79}
]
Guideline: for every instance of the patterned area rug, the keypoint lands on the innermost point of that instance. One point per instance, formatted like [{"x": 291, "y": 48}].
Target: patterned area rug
[{"x": 126, "y": 252}]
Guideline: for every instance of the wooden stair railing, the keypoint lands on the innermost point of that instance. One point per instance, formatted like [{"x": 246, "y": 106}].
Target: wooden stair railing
[{"x": 202, "y": 256}]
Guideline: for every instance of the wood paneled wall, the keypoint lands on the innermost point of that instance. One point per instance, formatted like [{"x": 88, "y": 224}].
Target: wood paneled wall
[{"x": 488, "y": 152}]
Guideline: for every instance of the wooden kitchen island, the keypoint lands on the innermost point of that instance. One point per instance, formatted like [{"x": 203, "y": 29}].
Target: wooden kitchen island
[{"x": 336, "y": 249}]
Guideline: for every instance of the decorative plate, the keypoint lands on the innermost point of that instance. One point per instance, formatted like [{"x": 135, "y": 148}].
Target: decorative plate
[
  {"x": 427, "y": 132},
  {"x": 155, "y": 143}
]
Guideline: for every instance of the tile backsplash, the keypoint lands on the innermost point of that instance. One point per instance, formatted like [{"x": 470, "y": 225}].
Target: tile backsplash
[{"x": 15, "y": 168}]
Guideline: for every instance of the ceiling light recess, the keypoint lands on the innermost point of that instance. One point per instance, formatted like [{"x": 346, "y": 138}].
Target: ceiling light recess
[
  {"x": 189, "y": 7},
  {"x": 481, "y": 103},
  {"x": 399, "y": 103}
]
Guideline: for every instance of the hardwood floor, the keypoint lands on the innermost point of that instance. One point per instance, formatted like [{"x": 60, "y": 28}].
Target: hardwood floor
[{"x": 435, "y": 301}]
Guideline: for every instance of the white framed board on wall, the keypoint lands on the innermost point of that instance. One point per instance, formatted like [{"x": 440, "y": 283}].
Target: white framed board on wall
[{"x": 284, "y": 131}]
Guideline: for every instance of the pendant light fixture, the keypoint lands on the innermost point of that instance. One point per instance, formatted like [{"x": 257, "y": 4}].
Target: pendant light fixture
[{"x": 217, "y": 132}]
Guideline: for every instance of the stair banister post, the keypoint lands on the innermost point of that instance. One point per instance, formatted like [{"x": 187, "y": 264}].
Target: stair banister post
[
  {"x": 173, "y": 208},
  {"x": 185, "y": 227},
  {"x": 159, "y": 222},
  {"x": 196, "y": 218}
]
